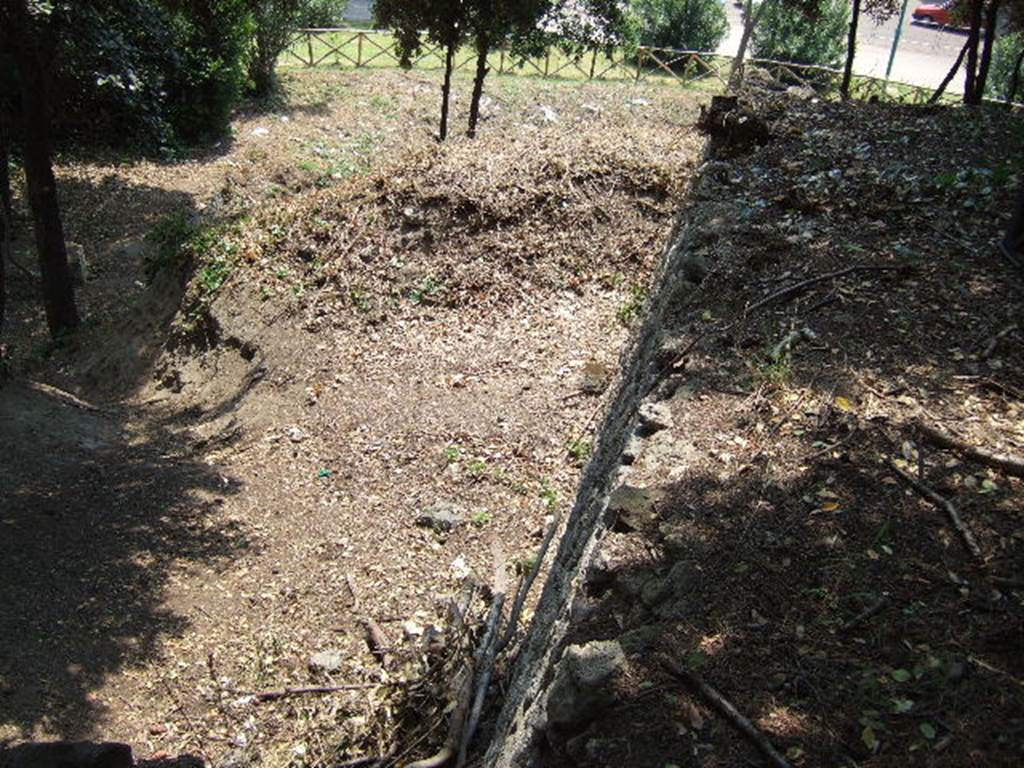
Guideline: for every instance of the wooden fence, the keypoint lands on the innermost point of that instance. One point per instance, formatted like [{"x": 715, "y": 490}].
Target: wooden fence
[{"x": 359, "y": 48}]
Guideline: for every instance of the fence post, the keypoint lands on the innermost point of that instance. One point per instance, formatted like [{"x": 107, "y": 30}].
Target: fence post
[
  {"x": 593, "y": 64},
  {"x": 641, "y": 52},
  {"x": 309, "y": 47},
  {"x": 359, "y": 51},
  {"x": 501, "y": 62},
  {"x": 547, "y": 61}
]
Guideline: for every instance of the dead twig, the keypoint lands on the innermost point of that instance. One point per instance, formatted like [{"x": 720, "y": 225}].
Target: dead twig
[
  {"x": 727, "y": 710},
  {"x": 786, "y": 293},
  {"x": 993, "y": 343},
  {"x": 796, "y": 289},
  {"x": 376, "y": 640},
  {"x": 284, "y": 693},
  {"x": 940, "y": 501},
  {"x": 483, "y": 663},
  {"x": 357, "y": 762},
  {"x": 873, "y": 609},
  {"x": 1011, "y": 465},
  {"x": 527, "y": 584},
  {"x": 455, "y": 728}
]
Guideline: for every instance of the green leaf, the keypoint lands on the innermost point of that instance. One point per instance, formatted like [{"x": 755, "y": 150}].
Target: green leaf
[
  {"x": 927, "y": 730},
  {"x": 901, "y": 675},
  {"x": 869, "y": 738},
  {"x": 902, "y": 706}
]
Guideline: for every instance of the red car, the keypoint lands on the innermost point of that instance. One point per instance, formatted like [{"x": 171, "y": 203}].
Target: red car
[{"x": 936, "y": 13}]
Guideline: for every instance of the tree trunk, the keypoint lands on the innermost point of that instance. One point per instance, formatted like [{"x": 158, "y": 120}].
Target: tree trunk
[
  {"x": 973, "y": 38},
  {"x": 1013, "y": 243},
  {"x": 986, "y": 52},
  {"x": 851, "y": 51},
  {"x": 750, "y": 19},
  {"x": 1015, "y": 80},
  {"x": 483, "y": 45},
  {"x": 5, "y": 213},
  {"x": 446, "y": 89},
  {"x": 58, "y": 289},
  {"x": 950, "y": 75}
]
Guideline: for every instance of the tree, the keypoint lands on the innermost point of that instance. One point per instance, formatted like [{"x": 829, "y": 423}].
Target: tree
[
  {"x": 1013, "y": 243},
  {"x": 808, "y": 36},
  {"x": 692, "y": 25},
  {"x": 879, "y": 10},
  {"x": 272, "y": 21},
  {"x": 441, "y": 22},
  {"x": 28, "y": 35}
]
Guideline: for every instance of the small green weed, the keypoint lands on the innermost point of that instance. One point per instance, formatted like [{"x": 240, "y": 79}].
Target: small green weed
[
  {"x": 630, "y": 309},
  {"x": 476, "y": 468},
  {"x": 452, "y": 454},
  {"x": 425, "y": 290},
  {"x": 579, "y": 449},
  {"x": 480, "y": 519}
]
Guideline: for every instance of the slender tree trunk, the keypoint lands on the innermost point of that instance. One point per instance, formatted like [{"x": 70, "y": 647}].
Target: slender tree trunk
[
  {"x": 446, "y": 89},
  {"x": 5, "y": 211},
  {"x": 58, "y": 289},
  {"x": 750, "y": 19},
  {"x": 851, "y": 51},
  {"x": 1013, "y": 243},
  {"x": 986, "y": 51},
  {"x": 483, "y": 45},
  {"x": 950, "y": 75},
  {"x": 973, "y": 38},
  {"x": 1015, "y": 80}
]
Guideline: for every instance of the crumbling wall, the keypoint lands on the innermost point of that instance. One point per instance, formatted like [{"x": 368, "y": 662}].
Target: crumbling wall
[{"x": 524, "y": 717}]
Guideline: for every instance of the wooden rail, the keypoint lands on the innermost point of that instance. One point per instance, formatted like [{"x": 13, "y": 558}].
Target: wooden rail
[{"x": 359, "y": 48}]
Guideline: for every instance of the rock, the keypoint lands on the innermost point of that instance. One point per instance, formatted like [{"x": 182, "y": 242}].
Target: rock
[
  {"x": 295, "y": 434},
  {"x": 580, "y": 688},
  {"x": 77, "y": 262},
  {"x": 327, "y": 661},
  {"x": 631, "y": 583},
  {"x": 640, "y": 640},
  {"x": 442, "y": 517},
  {"x": 655, "y": 591},
  {"x": 655, "y": 417},
  {"x": 599, "y": 574},
  {"x": 632, "y": 508},
  {"x": 594, "y": 378},
  {"x": 68, "y": 754},
  {"x": 632, "y": 450},
  {"x": 548, "y": 114}
]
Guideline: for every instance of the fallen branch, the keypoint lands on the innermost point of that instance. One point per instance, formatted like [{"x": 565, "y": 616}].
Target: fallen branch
[
  {"x": 283, "y": 693},
  {"x": 788, "y": 293},
  {"x": 727, "y": 710},
  {"x": 875, "y": 608},
  {"x": 484, "y": 669},
  {"x": 358, "y": 762},
  {"x": 993, "y": 343},
  {"x": 1011, "y": 465},
  {"x": 455, "y": 728},
  {"x": 798, "y": 288},
  {"x": 376, "y": 640},
  {"x": 938, "y": 500},
  {"x": 65, "y": 397},
  {"x": 527, "y": 584}
]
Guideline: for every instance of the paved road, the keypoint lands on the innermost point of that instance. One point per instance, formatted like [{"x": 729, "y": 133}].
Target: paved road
[{"x": 924, "y": 56}]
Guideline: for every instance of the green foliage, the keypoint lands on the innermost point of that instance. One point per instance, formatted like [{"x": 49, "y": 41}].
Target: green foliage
[
  {"x": 271, "y": 22},
  {"x": 694, "y": 25},
  {"x": 787, "y": 34},
  {"x": 322, "y": 13},
  {"x": 1004, "y": 60},
  {"x": 211, "y": 39}
]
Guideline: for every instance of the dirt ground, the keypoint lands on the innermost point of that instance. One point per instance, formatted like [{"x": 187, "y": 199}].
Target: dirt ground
[{"x": 220, "y": 476}]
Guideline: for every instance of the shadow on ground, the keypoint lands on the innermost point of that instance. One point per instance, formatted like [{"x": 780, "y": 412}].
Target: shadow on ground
[{"x": 94, "y": 524}]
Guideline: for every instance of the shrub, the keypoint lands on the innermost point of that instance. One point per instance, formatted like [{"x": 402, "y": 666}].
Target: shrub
[
  {"x": 787, "y": 34},
  {"x": 693, "y": 25},
  {"x": 1004, "y": 61}
]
